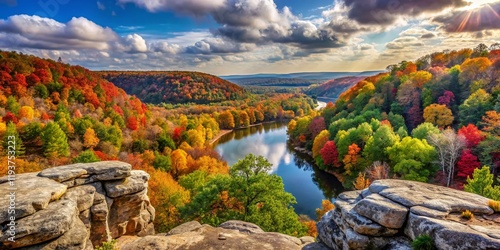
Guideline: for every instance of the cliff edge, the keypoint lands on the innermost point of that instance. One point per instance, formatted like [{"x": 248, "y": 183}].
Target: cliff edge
[
  {"x": 391, "y": 213},
  {"x": 76, "y": 206}
]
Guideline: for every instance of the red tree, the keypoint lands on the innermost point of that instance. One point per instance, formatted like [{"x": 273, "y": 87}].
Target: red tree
[
  {"x": 467, "y": 163},
  {"x": 10, "y": 117},
  {"x": 329, "y": 154},
  {"x": 317, "y": 125},
  {"x": 472, "y": 135},
  {"x": 132, "y": 123}
]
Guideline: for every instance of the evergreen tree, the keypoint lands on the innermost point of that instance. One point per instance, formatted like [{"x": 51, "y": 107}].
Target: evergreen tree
[
  {"x": 54, "y": 141},
  {"x": 11, "y": 138},
  {"x": 482, "y": 184}
]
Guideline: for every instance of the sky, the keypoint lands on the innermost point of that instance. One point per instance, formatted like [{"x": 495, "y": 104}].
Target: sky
[{"x": 230, "y": 37}]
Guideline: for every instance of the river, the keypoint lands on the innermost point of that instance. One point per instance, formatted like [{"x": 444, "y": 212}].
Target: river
[{"x": 308, "y": 184}]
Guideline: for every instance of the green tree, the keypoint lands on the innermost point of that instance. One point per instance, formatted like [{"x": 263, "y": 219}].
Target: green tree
[
  {"x": 375, "y": 149},
  {"x": 12, "y": 105},
  {"x": 250, "y": 194},
  {"x": 482, "y": 184},
  {"x": 475, "y": 107},
  {"x": 12, "y": 141},
  {"x": 162, "y": 162},
  {"x": 86, "y": 156},
  {"x": 54, "y": 141},
  {"x": 410, "y": 164},
  {"x": 425, "y": 129}
]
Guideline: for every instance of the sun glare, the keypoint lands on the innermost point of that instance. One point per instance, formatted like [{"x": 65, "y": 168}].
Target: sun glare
[{"x": 478, "y": 3}]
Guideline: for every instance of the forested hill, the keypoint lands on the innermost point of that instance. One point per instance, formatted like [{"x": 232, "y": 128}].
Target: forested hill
[
  {"x": 175, "y": 86},
  {"x": 445, "y": 106},
  {"x": 333, "y": 88}
]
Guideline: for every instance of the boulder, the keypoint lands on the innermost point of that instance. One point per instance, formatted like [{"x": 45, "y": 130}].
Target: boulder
[
  {"x": 184, "y": 228},
  {"x": 129, "y": 214},
  {"x": 98, "y": 171},
  {"x": 244, "y": 227},
  {"x": 47, "y": 224},
  {"x": 410, "y": 193},
  {"x": 391, "y": 213},
  {"x": 75, "y": 239},
  {"x": 208, "y": 237},
  {"x": 449, "y": 235},
  {"x": 31, "y": 193},
  {"x": 382, "y": 210},
  {"x": 136, "y": 182},
  {"x": 82, "y": 195}
]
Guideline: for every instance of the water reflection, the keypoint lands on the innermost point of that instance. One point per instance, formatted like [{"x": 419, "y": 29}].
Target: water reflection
[{"x": 308, "y": 184}]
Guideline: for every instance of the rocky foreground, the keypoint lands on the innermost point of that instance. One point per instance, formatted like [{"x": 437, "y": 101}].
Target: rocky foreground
[
  {"x": 80, "y": 206},
  {"x": 229, "y": 235},
  {"x": 76, "y": 206},
  {"x": 392, "y": 213}
]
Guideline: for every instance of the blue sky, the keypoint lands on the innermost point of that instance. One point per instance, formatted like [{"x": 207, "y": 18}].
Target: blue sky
[{"x": 244, "y": 36}]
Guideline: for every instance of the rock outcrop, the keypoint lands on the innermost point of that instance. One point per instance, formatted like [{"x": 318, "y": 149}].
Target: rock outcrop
[
  {"x": 228, "y": 235},
  {"x": 76, "y": 206},
  {"x": 392, "y": 213}
]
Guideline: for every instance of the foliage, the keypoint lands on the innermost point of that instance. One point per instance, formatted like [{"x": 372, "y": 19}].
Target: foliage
[
  {"x": 495, "y": 205},
  {"x": 425, "y": 129},
  {"x": 330, "y": 155},
  {"x": 423, "y": 242},
  {"x": 175, "y": 86},
  {"x": 409, "y": 165},
  {"x": 86, "y": 156},
  {"x": 319, "y": 142},
  {"x": 468, "y": 215},
  {"x": 482, "y": 183},
  {"x": 361, "y": 182},
  {"x": 438, "y": 115},
  {"x": 326, "y": 206},
  {"x": 54, "y": 141},
  {"x": 110, "y": 245},
  {"x": 467, "y": 163},
  {"x": 12, "y": 141},
  {"x": 249, "y": 193}
]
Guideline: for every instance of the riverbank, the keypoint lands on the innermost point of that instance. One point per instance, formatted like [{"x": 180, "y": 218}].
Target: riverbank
[
  {"x": 224, "y": 132},
  {"x": 221, "y": 133}
]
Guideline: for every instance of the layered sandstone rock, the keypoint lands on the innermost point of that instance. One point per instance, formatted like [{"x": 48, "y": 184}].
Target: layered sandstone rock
[
  {"x": 229, "y": 235},
  {"x": 392, "y": 213},
  {"x": 77, "y": 206}
]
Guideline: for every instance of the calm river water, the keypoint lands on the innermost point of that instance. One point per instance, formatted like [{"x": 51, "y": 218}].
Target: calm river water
[{"x": 308, "y": 184}]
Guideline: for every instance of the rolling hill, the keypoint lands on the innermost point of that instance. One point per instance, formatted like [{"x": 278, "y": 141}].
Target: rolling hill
[{"x": 175, "y": 86}]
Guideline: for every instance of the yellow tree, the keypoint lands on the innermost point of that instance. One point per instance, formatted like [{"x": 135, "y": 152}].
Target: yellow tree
[
  {"x": 179, "y": 162},
  {"x": 326, "y": 206},
  {"x": 319, "y": 142},
  {"x": 90, "y": 139},
  {"x": 439, "y": 115},
  {"x": 26, "y": 112},
  {"x": 361, "y": 182}
]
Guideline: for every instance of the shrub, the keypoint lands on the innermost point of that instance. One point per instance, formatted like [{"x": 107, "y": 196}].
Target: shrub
[
  {"x": 110, "y": 245},
  {"x": 495, "y": 205},
  {"x": 423, "y": 242},
  {"x": 468, "y": 215}
]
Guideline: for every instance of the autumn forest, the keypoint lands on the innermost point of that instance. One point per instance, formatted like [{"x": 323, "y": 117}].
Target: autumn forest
[{"x": 445, "y": 106}]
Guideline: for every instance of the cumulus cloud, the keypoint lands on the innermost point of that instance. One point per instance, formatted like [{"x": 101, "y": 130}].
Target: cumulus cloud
[
  {"x": 218, "y": 45},
  {"x": 385, "y": 12},
  {"x": 404, "y": 42},
  {"x": 45, "y": 33},
  {"x": 258, "y": 22},
  {"x": 486, "y": 17}
]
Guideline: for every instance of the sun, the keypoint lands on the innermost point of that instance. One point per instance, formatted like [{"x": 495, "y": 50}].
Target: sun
[{"x": 474, "y": 4}]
